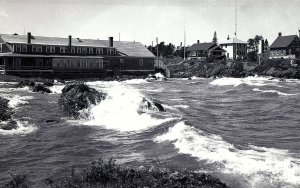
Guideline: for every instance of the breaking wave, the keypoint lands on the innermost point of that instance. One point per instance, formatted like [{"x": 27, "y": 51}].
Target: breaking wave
[
  {"x": 121, "y": 110},
  {"x": 252, "y": 81},
  {"x": 17, "y": 100},
  {"x": 259, "y": 166}
]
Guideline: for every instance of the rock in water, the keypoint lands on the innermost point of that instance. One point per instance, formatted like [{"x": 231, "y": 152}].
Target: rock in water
[
  {"x": 153, "y": 105},
  {"x": 9, "y": 126},
  {"x": 41, "y": 88},
  {"x": 24, "y": 83},
  {"x": 5, "y": 111},
  {"x": 76, "y": 97}
]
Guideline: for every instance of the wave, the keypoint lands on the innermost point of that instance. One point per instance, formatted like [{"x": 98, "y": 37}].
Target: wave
[
  {"x": 121, "y": 110},
  {"x": 259, "y": 166},
  {"x": 273, "y": 91},
  {"x": 17, "y": 100},
  {"x": 181, "y": 106},
  {"x": 135, "y": 81},
  {"x": 55, "y": 89},
  {"x": 23, "y": 127},
  {"x": 252, "y": 81}
]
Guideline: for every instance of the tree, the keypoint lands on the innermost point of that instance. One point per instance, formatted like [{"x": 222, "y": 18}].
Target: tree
[
  {"x": 253, "y": 47},
  {"x": 215, "y": 39},
  {"x": 163, "y": 50}
]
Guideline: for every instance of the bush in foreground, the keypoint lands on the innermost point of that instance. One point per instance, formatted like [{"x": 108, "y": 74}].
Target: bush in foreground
[{"x": 108, "y": 174}]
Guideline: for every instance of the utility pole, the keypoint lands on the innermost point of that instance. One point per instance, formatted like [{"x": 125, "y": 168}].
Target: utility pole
[
  {"x": 157, "y": 50},
  {"x": 184, "y": 37},
  {"x": 235, "y": 33}
]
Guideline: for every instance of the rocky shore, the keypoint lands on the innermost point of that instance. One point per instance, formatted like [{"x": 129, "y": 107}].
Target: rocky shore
[{"x": 279, "y": 68}]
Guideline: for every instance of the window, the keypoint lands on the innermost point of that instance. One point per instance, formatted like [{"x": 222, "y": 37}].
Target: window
[
  {"x": 62, "y": 49},
  {"x": 97, "y": 51},
  {"x": 0, "y": 47},
  {"x": 52, "y": 49},
  {"x": 18, "y": 48},
  {"x": 141, "y": 62},
  {"x": 73, "y": 50},
  {"x": 84, "y": 50},
  {"x": 34, "y": 49},
  {"x": 121, "y": 63},
  {"x": 101, "y": 50},
  {"x": 24, "y": 48},
  {"x": 90, "y": 50},
  {"x": 79, "y": 50},
  {"x": 101, "y": 63},
  {"x": 48, "y": 49},
  {"x": 39, "y": 49}
]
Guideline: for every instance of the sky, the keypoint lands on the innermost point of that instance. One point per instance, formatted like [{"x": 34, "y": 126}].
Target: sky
[{"x": 144, "y": 20}]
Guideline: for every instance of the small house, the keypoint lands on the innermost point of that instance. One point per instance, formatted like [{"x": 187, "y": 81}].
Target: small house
[
  {"x": 285, "y": 47},
  {"x": 235, "y": 48},
  {"x": 204, "y": 50}
]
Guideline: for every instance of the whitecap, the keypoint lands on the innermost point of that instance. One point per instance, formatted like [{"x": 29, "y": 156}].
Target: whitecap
[
  {"x": 251, "y": 80},
  {"x": 181, "y": 106},
  {"x": 258, "y": 165},
  {"x": 55, "y": 89},
  {"x": 273, "y": 91}
]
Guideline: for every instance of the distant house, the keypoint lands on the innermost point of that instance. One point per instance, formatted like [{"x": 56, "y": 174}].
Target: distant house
[
  {"x": 204, "y": 50},
  {"x": 235, "y": 48},
  {"x": 285, "y": 47},
  {"x": 71, "y": 57}
]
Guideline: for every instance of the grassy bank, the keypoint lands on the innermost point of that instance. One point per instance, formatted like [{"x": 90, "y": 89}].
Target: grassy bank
[{"x": 108, "y": 174}]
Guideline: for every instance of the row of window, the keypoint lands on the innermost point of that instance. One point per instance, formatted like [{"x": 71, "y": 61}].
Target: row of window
[
  {"x": 238, "y": 45},
  {"x": 64, "y": 49},
  {"x": 77, "y": 63}
]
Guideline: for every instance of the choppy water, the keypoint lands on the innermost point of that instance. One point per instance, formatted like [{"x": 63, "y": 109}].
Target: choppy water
[{"x": 244, "y": 131}]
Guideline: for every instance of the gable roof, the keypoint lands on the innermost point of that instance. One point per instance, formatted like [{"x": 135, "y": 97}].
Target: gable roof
[
  {"x": 127, "y": 48},
  {"x": 201, "y": 46},
  {"x": 233, "y": 41},
  {"x": 283, "y": 41}
]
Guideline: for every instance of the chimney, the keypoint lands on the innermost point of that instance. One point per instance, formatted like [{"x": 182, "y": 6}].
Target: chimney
[
  {"x": 111, "y": 41},
  {"x": 279, "y": 34},
  {"x": 28, "y": 37},
  {"x": 262, "y": 46},
  {"x": 198, "y": 41},
  {"x": 70, "y": 43}
]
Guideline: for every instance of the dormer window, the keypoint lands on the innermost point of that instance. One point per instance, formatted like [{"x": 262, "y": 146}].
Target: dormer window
[
  {"x": 24, "y": 48},
  {"x": 84, "y": 51},
  {"x": 52, "y": 49},
  {"x": 18, "y": 48}
]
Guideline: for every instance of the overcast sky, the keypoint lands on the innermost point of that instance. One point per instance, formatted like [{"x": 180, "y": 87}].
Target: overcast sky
[{"x": 144, "y": 20}]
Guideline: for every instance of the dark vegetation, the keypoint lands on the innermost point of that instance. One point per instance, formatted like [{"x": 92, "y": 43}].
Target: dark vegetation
[
  {"x": 6, "y": 115},
  {"x": 76, "y": 97},
  {"x": 108, "y": 174}
]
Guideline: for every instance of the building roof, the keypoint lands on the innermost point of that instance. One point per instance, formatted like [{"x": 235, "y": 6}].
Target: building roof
[
  {"x": 201, "y": 46},
  {"x": 126, "y": 48},
  {"x": 233, "y": 41},
  {"x": 283, "y": 41}
]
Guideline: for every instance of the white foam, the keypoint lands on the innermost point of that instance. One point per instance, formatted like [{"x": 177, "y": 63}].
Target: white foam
[
  {"x": 16, "y": 100},
  {"x": 121, "y": 110},
  {"x": 181, "y": 106},
  {"x": 56, "y": 88},
  {"x": 256, "y": 164},
  {"x": 273, "y": 91},
  {"x": 23, "y": 128},
  {"x": 252, "y": 81},
  {"x": 135, "y": 81},
  {"x": 159, "y": 75}
]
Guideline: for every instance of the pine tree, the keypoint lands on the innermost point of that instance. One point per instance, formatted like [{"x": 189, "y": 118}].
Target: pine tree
[{"x": 215, "y": 39}]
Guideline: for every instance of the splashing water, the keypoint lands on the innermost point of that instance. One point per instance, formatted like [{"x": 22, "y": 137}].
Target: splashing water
[{"x": 254, "y": 163}]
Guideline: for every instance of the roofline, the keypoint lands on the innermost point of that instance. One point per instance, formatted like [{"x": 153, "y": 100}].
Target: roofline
[
  {"x": 46, "y": 44},
  {"x": 53, "y": 56}
]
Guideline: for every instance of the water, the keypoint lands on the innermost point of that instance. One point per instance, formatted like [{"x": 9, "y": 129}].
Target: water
[{"x": 243, "y": 131}]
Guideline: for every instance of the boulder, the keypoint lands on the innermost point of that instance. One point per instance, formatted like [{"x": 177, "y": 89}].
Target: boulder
[
  {"x": 79, "y": 96},
  {"x": 48, "y": 83},
  {"x": 40, "y": 88},
  {"x": 24, "y": 83},
  {"x": 9, "y": 126},
  {"x": 153, "y": 105},
  {"x": 5, "y": 110}
]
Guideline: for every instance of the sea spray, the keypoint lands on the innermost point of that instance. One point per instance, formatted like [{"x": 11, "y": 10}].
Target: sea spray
[
  {"x": 122, "y": 110},
  {"x": 253, "y": 163}
]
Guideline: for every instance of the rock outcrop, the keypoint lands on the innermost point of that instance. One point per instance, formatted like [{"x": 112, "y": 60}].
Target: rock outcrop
[
  {"x": 35, "y": 87},
  {"x": 280, "y": 68},
  {"x": 152, "y": 105},
  {"x": 6, "y": 115},
  {"x": 76, "y": 97}
]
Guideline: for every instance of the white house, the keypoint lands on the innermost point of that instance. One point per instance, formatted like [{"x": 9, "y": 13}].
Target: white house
[{"x": 234, "y": 47}]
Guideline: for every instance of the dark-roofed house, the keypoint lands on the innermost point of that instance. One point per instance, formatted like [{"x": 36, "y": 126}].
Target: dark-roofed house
[
  {"x": 285, "y": 47},
  {"x": 204, "y": 50},
  {"x": 71, "y": 57}
]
